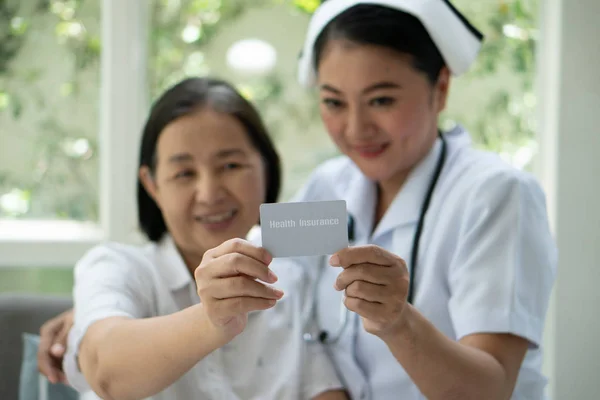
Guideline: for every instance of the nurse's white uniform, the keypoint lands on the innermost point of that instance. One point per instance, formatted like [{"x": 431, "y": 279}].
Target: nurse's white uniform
[
  {"x": 486, "y": 262},
  {"x": 269, "y": 360}
]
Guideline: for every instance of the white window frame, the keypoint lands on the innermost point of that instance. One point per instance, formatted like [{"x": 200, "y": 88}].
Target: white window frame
[{"x": 123, "y": 106}]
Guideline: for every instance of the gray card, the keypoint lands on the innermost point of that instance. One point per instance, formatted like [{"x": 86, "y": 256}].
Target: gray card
[{"x": 304, "y": 228}]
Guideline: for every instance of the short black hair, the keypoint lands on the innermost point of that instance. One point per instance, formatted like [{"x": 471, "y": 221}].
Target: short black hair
[
  {"x": 187, "y": 97},
  {"x": 386, "y": 27}
]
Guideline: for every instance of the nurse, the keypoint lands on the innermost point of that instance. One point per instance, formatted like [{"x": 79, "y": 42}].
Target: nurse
[
  {"x": 453, "y": 263},
  {"x": 190, "y": 315}
]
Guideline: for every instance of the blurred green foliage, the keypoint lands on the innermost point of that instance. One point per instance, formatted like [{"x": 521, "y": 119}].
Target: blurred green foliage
[
  {"x": 55, "y": 178},
  {"x": 500, "y": 117}
]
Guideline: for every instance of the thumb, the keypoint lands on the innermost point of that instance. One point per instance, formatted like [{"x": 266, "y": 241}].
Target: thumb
[
  {"x": 60, "y": 344},
  {"x": 57, "y": 350}
]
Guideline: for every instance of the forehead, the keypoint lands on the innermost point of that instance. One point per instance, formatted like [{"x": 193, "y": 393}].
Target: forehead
[
  {"x": 347, "y": 62},
  {"x": 203, "y": 133}
]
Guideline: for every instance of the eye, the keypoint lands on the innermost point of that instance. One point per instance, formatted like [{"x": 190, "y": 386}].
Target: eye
[
  {"x": 382, "y": 101},
  {"x": 332, "y": 104},
  {"x": 188, "y": 173},
  {"x": 231, "y": 166}
]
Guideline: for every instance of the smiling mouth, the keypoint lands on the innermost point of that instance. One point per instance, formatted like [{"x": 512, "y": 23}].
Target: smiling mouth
[
  {"x": 372, "y": 150},
  {"x": 216, "y": 218}
]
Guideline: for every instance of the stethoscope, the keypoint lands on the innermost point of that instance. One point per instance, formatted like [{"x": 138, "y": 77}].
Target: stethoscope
[{"x": 317, "y": 334}]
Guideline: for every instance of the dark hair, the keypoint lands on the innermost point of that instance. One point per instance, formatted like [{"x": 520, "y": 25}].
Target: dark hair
[
  {"x": 387, "y": 27},
  {"x": 185, "y": 98}
]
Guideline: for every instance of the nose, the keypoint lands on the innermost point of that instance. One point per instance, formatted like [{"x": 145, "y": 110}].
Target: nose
[
  {"x": 359, "y": 126},
  {"x": 210, "y": 189}
]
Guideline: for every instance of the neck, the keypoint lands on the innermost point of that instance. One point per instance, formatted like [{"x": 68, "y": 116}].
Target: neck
[
  {"x": 386, "y": 192},
  {"x": 388, "y": 189},
  {"x": 192, "y": 261}
]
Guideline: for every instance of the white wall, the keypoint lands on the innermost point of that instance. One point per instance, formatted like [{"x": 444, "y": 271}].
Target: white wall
[{"x": 569, "y": 86}]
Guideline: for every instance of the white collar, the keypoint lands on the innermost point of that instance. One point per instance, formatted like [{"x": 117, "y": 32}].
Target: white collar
[
  {"x": 171, "y": 265},
  {"x": 406, "y": 206}
]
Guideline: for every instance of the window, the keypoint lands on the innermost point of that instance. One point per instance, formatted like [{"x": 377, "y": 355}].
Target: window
[
  {"x": 77, "y": 78},
  {"x": 496, "y": 100},
  {"x": 96, "y": 115},
  {"x": 48, "y": 110}
]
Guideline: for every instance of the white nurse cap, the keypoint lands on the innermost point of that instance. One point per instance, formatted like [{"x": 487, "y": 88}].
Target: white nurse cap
[{"x": 456, "y": 39}]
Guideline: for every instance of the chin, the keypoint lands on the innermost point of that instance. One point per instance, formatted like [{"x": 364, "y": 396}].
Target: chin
[{"x": 377, "y": 171}]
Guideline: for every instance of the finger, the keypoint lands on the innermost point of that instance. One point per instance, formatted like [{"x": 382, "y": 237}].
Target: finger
[
  {"x": 365, "y": 309},
  {"x": 371, "y": 273},
  {"x": 60, "y": 344},
  {"x": 368, "y": 291},
  {"x": 368, "y": 254},
  {"x": 48, "y": 332},
  {"x": 61, "y": 377},
  {"x": 240, "y": 246},
  {"x": 49, "y": 367},
  {"x": 235, "y": 264},
  {"x": 57, "y": 350},
  {"x": 242, "y": 287},
  {"x": 242, "y": 305},
  {"x": 46, "y": 363},
  {"x": 48, "y": 371}
]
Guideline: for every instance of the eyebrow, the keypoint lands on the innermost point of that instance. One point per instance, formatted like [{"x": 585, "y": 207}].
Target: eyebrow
[
  {"x": 376, "y": 86},
  {"x": 185, "y": 157},
  {"x": 230, "y": 152},
  {"x": 180, "y": 157}
]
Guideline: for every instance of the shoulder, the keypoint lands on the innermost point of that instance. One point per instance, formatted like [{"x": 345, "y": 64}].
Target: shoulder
[
  {"x": 118, "y": 271},
  {"x": 110, "y": 257},
  {"x": 478, "y": 177},
  {"x": 329, "y": 180}
]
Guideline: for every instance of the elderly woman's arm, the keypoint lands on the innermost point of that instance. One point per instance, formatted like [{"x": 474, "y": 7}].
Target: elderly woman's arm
[{"x": 124, "y": 358}]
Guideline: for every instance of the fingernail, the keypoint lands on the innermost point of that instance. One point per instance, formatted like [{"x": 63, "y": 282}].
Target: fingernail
[
  {"x": 335, "y": 286},
  {"x": 57, "y": 349},
  {"x": 278, "y": 293},
  {"x": 334, "y": 261},
  {"x": 272, "y": 276}
]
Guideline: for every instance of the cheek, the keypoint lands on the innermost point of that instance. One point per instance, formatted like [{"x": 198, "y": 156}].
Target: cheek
[
  {"x": 334, "y": 124},
  {"x": 175, "y": 203},
  {"x": 249, "y": 189},
  {"x": 407, "y": 120}
]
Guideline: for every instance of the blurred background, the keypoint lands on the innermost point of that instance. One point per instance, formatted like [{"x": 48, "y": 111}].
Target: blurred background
[
  {"x": 77, "y": 78},
  {"x": 50, "y": 76}
]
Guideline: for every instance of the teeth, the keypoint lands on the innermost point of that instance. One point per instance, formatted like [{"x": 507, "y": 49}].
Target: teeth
[{"x": 212, "y": 219}]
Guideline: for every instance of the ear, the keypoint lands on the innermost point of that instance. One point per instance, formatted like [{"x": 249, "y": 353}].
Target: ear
[
  {"x": 148, "y": 183},
  {"x": 442, "y": 89}
]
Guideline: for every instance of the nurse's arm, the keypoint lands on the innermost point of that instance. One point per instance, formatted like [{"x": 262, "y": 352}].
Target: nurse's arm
[
  {"x": 479, "y": 366},
  {"x": 123, "y": 358}
]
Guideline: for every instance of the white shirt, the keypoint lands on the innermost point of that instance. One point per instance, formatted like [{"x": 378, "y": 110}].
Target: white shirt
[
  {"x": 269, "y": 360},
  {"x": 486, "y": 261}
]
